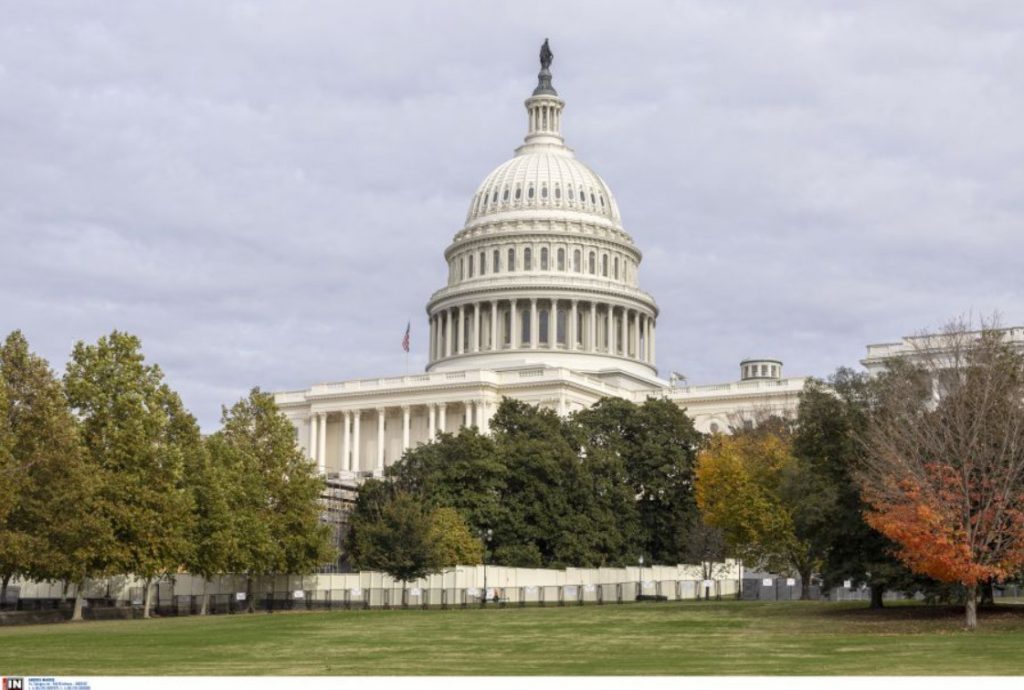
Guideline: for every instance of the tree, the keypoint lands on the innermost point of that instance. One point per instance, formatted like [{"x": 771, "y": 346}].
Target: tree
[
  {"x": 944, "y": 469},
  {"x": 210, "y": 481},
  {"x": 394, "y": 533},
  {"x": 452, "y": 539},
  {"x": 50, "y": 530},
  {"x": 657, "y": 444},
  {"x": 769, "y": 504},
  {"x": 275, "y": 499},
  {"x": 706, "y": 546},
  {"x": 831, "y": 421},
  {"x": 137, "y": 435}
]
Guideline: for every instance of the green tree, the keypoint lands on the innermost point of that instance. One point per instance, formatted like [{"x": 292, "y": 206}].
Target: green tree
[
  {"x": 453, "y": 540},
  {"x": 51, "y": 531},
  {"x": 275, "y": 493},
  {"x": 658, "y": 446},
  {"x": 832, "y": 419},
  {"x": 395, "y": 533},
  {"x": 137, "y": 435},
  {"x": 210, "y": 482}
]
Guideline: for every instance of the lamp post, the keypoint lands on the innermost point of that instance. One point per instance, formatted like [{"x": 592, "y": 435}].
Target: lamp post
[{"x": 487, "y": 545}]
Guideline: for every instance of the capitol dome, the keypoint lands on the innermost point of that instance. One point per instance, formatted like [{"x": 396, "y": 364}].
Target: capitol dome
[{"x": 543, "y": 271}]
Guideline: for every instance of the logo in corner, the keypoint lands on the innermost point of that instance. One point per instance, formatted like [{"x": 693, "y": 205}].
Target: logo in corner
[{"x": 13, "y": 683}]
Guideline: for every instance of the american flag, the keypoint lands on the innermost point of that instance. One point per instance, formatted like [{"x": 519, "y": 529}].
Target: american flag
[{"x": 405, "y": 338}]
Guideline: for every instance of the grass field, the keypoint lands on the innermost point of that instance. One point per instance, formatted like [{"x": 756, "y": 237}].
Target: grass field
[{"x": 795, "y": 638}]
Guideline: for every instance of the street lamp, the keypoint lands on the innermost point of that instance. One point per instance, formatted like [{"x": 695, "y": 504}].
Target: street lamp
[{"x": 487, "y": 545}]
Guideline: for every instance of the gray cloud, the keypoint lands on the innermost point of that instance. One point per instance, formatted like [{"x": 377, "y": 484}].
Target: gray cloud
[{"x": 263, "y": 190}]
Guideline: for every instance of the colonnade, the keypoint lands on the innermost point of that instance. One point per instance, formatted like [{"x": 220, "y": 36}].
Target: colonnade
[
  {"x": 473, "y": 413},
  {"x": 534, "y": 323}
]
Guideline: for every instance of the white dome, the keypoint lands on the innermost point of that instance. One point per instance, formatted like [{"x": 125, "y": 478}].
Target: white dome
[{"x": 550, "y": 178}]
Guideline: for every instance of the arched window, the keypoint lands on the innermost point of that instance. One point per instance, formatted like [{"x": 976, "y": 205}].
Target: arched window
[
  {"x": 527, "y": 259},
  {"x": 583, "y": 197},
  {"x": 561, "y": 319},
  {"x": 561, "y": 259},
  {"x": 511, "y": 259},
  {"x": 504, "y": 195},
  {"x": 576, "y": 261},
  {"x": 524, "y": 328},
  {"x": 462, "y": 268},
  {"x": 558, "y": 192},
  {"x": 529, "y": 192},
  {"x": 519, "y": 193},
  {"x": 542, "y": 330},
  {"x": 544, "y": 192},
  {"x": 483, "y": 263},
  {"x": 615, "y": 266},
  {"x": 604, "y": 265},
  {"x": 494, "y": 199},
  {"x": 592, "y": 199},
  {"x": 592, "y": 263},
  {"x": 543, "y": 258},
  {"x": 471, "y": 262},
  {"x": 497, "y": 261}
]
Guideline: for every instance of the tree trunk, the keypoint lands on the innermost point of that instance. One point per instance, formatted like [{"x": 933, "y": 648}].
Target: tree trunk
[
  {"x": 76, "y": 614},
  {"x": 805, "y": 585},
  {"x": 205, "y": 607},
  {"x": 988, "y": 594},
  {"x": 251, "y": 605},
  {"x": 971, "y": 607},
  {"x": 876, "y": 596},
  {"x": 146, "y": 598},
  {"x": 3, "y": 590}
]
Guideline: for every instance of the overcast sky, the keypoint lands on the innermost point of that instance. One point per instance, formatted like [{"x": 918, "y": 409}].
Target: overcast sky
[{"x": 262, "y": 191}]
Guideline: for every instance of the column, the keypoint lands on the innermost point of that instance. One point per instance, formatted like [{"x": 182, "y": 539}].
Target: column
[
  {"x": 534, "y": 324},
  {"x": 321, "y": 451},
  {"x": 448, "y": 340},
  {"x": 494, "y": 324},
  {"x": 636, "y": 335},
  {"x": 313, "y": 436},
  {"x": 476, "y": 327},
  {"x": 513, "y": 320},
  {"x": 570, "y": 332},
  {"x": 442, "y": 422},
  {"x": 485, "y": 416},
  {"x": 562, "y": 406},
  {"x": 346, "y": 442},
  {"x": 621, "y": 327},
  {"x": 460, "y": 339},
  {"x": 468, "y": 422},
  {"x": 592, "y": 328},
  {"x": 356, "y": 462},
  {"x": 552, "y": 324},
  {"x": 653, "y": 341},
  {"x": 610, "y": 325},
  {"x": 381, "y": 412},
  {"x": 405, "y": 428},
  {"x": 431, "y": 422},
  {"x": 430, "y": 341}
]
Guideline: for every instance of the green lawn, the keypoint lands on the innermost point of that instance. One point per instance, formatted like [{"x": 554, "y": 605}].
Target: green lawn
[{"x": 667, "y": 638}]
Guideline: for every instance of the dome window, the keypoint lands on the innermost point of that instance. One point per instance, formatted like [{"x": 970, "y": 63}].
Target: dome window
[
  {"x": 519, "y": 193},
  {"x": 527, "y": 259},
  {"x": 592, "y": 199},
  {"x": 583, "y": 196},
  {"x": 576, "y": 264},
  {"x": 471, "y": 262},
  {"x": 544, "y": 258},
  {"x": 511, "y": 259},
  {"x": 604, "y": 265},
  {"x": 529, "y": 193},
  {"x": 615, "y": 265},
  {"x": 494, "y": 199},
  {"x": 593, "y": 263},
  {"x": 504, "y": 195},
  {"x": 543, "y": 192},
  {"x": 601, "y": 197},
  {"x": 497, "y": 261},
  {"x": 561, "y": 259},
  {"x": 558, "y": 192},
  {"x": 483, "y": 263}
]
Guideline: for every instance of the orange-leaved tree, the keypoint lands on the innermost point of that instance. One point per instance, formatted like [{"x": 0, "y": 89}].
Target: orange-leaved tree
[{"x": 944, "y": 472}]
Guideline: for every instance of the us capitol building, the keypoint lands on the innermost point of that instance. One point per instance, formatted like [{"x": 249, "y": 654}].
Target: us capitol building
[{"x": 543, "y": 304}]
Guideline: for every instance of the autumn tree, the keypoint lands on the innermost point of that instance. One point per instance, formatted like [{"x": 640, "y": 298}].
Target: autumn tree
[
  {"x": 274, "y": 499},
  {"x": 769, "y": 504},
  {"x": 51, "y": 530},
  {"x": 453, "y": 541},
  {"x": 137, "y": 435},
  {"x": 944, "y": 470}
]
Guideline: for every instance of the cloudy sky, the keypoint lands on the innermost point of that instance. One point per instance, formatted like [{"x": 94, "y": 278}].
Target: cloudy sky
[{"x": 262, "y": 191}]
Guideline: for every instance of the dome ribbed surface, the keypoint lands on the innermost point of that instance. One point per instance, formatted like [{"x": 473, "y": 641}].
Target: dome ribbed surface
[{"x": 543, "y": 180}]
